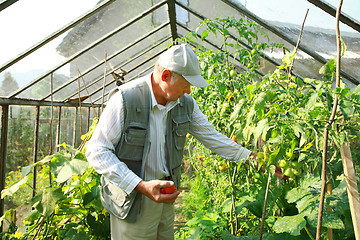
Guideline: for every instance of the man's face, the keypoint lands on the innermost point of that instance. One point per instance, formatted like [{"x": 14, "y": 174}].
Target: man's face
[{"x": 177, "y": 89}]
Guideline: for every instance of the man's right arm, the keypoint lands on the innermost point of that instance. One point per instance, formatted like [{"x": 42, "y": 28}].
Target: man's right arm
[{"x": 100, "y": 151}]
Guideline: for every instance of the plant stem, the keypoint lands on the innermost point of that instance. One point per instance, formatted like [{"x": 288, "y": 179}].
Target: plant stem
[
  {"x": 331, "y": 120},
  {"x": 298, "y": 42},
  {"x": 233, "y": 198},
  {"x": 309, "y": 234},
  {"x": 37, "y": 231},
  {"x": 264, "y": 208},
  {"x": 232, "y": 207}
]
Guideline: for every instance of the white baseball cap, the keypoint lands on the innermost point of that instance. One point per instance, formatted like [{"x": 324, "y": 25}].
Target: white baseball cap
[{"x": 182, "y": 60}]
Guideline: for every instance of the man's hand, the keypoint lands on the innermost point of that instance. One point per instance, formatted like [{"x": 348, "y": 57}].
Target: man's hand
[{"x": 151, "y": 189}]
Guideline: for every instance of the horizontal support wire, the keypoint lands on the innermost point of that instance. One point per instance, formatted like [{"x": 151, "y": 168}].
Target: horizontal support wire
[
  {"x": 132, "y": 78},
  {"x": 34, "y": 102},
  {"x": 55, "y": 34},
  {"x": 108, "y": 59},
  {"x": 102, "y": 39},
  {"x": 131, "y": 70},
  {"x": 101, "y": 77}
]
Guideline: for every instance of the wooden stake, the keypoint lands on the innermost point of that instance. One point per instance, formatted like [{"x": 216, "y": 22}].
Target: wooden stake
[
  {"x": 330, "y": 230},
  {"x": 352, "y": 189}
]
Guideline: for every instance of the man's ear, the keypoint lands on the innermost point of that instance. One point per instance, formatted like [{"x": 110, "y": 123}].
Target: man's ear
[{"x": 166, "y": 75}]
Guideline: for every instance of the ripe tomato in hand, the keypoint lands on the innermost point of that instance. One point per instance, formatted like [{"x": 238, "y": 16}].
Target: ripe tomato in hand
[{"x": 168, "y": 190}]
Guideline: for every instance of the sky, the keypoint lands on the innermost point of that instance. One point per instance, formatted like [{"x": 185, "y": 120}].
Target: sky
[
  {"x": 27, "y": 22},
  {"x": 293, "y": 11}
]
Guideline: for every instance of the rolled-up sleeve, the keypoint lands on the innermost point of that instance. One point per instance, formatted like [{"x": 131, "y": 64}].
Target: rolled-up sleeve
[
  {"x": 217, "y": 142},
  {"x": 100, "y": 151}
]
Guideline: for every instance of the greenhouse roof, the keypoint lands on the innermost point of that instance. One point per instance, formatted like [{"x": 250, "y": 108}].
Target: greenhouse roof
[{"x": 83, "y": 58}]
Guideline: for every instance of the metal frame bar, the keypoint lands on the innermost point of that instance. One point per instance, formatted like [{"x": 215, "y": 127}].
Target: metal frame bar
[
  {"x": 55, "y": 34},
  {"x": 6, "y": 3},
  {"x": 92, "y": 45},
  {"x": 132, "y": 78},
  {"x": 172, "y": 19},
  {"x": 131, "y": 70},
  {"x": 32, "y": 102},
  {"x": 75, "y": 125},
  {"x": 3, "y": 154},
  {"x": 344, "y": 18},
  {"x": 305, "y": 49},
  {"x": 58, "y": 128},
  {"x": 35, "y": 146},
  {"x": 100, "y": 77},
  {"x": 215, "y": 46},
  {"x": 266, "y": 57},
  {"x": 155, "y": 30}
]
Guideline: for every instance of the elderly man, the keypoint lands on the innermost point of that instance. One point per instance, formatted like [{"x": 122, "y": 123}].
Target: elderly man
[{"x": 138, "y": 144}]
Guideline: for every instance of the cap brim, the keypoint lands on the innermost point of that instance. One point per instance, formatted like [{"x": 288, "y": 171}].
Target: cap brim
[{"x": 197, "y": 81}]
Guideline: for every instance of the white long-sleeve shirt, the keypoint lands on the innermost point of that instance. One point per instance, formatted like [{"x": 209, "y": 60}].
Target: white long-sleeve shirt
[{"x": 101, "y": 147}]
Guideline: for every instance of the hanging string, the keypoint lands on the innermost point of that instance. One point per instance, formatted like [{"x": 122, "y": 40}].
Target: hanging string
[
  {"x": 102, "y": 101},
  {"x": 80, "y": 107},
  {"x": 91, "y": 102}
]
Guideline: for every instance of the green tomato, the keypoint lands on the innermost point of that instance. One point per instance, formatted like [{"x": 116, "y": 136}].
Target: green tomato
[
  {"x": 296, "y": 165},
  {"x": 290, "y": 154},
  {"x": 233, "y": 73},
  {"x": 289, "y": 172},
  {"x": 296, "y": 172},
  {"x": 282, "y": 163}
]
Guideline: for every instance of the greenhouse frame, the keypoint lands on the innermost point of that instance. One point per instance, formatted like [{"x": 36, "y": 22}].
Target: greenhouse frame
[{"x": 117, "y": 41}]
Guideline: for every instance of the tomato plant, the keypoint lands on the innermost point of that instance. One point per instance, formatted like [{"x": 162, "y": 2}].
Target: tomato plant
[{"x": 280, "y": 116}]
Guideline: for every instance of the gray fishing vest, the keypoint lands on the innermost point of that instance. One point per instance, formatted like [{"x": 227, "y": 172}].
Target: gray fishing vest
[{"x": 134, "y": 145}]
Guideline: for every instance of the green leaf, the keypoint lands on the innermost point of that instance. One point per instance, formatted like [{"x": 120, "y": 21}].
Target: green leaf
[
  {"x": 261, "y": 127},
  {"x": 204, "y": 34},
  {"x": 259, "y": 102},
  {"x": 90, "y": 196},
  {"x": 237, "y": 110},
  {"x": 312, "y": 101},
  {"x": 343, "y": 47},
  {"x": 26, "y": 170},
  {"x": 329, "y": 220},
  {"x": 346, "y": 108},
  {"x": 329, "y": 67},
  {"x": 249, "y": 90},
  {"x": 255, "y": 207},
  {"x": 289, "y": 57},
  {"x": 69, "y": 169},
  {"x": 8, "y": 214},
  {"x": 69, "y": 148},
  {"x": 13, "y": 189},
  {"x": 290, "y": 224},
  {"x": 49, "y": 199},
  {"x": 298, "y": 130}
]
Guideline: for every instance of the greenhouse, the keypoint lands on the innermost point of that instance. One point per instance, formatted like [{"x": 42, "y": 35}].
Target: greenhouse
[{"x": 283, "y": 83}]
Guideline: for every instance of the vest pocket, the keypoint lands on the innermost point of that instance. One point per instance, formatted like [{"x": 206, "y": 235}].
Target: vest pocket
[
  {"x": 131, "y": 147},
  {"x": 180, "y": 129}
]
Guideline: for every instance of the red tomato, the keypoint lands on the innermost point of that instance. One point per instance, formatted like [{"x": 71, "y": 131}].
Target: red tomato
[{"x": 168, "y": 190}]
